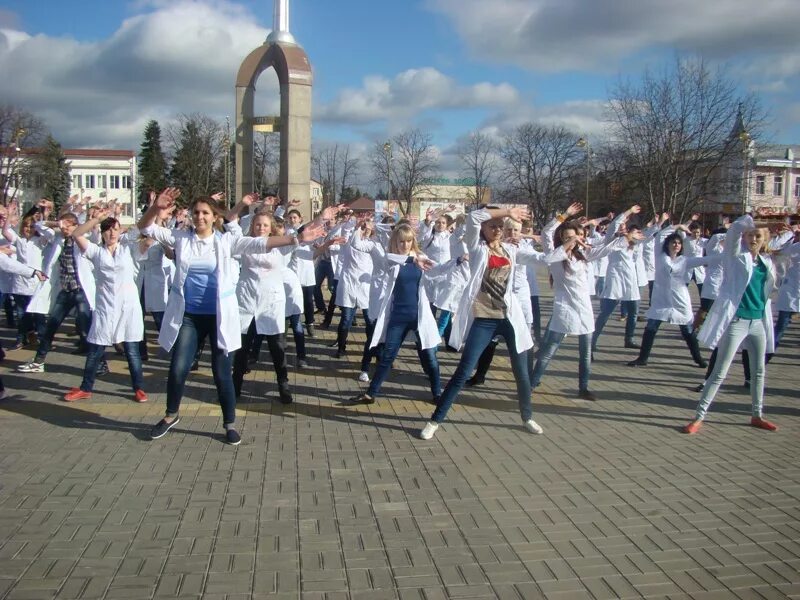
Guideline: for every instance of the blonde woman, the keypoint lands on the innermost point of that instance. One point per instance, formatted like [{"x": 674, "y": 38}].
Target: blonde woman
[
  {"x": 741, "y": 316},
  {"x": 403, "y": 307}
]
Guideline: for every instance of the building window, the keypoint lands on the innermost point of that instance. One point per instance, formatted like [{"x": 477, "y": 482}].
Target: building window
[
  {"x": 761, "y": 184},
  {"x": 77, "y": 181},
  {"x": 113, "y": 182},
  {"x": 777, "y": 186},
  {"x": 89, "y": 182},
  {"x": 797, "y": 187},
  {"x": 101, "y": 181},
  {"x": 126, "y": 182}
]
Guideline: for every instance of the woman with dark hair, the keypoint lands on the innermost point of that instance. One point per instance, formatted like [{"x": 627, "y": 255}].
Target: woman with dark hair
[
  {"x": 568, "y": 259},
  {"x": 202, "y": 302},
  {"x": 489, "y": 307},
  {"x": 117, "y": 316},
  {"x": 670, "y": 301}
]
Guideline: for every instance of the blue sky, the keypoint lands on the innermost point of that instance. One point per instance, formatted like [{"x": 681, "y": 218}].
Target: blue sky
[{"x": 96, "y": 71}]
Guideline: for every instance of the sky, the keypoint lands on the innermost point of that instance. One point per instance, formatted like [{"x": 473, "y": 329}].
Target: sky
[{"x": 96, "y": 71}]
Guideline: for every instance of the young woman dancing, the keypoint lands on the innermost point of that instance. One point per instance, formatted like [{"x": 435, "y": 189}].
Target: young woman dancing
[
  {"x": 202, "y": 302},
  {"x": 741, "y": 315},
  {"x": 488, "y": 308},
  {"x": 403, "y": 307}
]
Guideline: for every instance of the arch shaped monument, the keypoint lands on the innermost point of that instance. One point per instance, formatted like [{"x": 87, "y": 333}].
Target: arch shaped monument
[{"x": 291, "y": 64}]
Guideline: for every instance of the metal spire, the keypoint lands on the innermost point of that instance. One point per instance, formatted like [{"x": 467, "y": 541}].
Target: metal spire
[{"x": 280, "y": 24}]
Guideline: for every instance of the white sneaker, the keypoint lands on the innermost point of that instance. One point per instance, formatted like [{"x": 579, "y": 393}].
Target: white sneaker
[
  {"x": 31, "y": 367},
  {"x": 429, "y": 431},
  {"x": 533, "y": 427},
  {"x": 363, "y": 377}
]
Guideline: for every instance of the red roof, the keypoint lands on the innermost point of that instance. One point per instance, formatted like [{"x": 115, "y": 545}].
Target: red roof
[{"x": 362, "y": 203}]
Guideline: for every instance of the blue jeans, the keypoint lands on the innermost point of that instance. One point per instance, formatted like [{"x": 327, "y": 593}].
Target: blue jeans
[
  {"x": 552, "y": 340},
  {"x": 95, "y": 356},
  {"x": 345, "y": 322},
  {"x": 299, "y": 336},
  {"x": 607, "y": 307},
  {"x": 26, "y": 321},
  {"x": 194, "y": 330},
  {"x": 443, "y": 320},
  {"x": 537, "y": 319},
  {"x": 65, "y": 302},
  {"x": 322, "y": 270},
  {"x": 480, "y": 334},
  {"x": 368, "y": 353},
  {"x": 396, "y": 332},
  {"x": 784, "y": 318}
]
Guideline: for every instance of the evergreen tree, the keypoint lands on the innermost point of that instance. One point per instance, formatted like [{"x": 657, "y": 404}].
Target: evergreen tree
[
  {"x": 52, "y": 166},
  {"x": 196, "y": 157},
  {"x": 152, "y": 162}
]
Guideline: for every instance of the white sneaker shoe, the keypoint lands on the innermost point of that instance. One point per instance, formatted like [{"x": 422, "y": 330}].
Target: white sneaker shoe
[
  {"x": 429, "y": 431},
  {"x": 363, "y": 377},
  {"x": 31, "y": 367},
  {"x": 533, "y": 427}
]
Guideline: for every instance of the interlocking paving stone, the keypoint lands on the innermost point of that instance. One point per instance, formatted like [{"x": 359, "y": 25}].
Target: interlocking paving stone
[{"x": 326, "y": 502}]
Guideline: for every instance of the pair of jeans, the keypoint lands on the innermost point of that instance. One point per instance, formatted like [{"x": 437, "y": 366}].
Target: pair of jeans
[
  {"x": 369, "y": 353},
  {"x": 480, "y": 334},
  {"x": 550, "y": 344},
  {"x": 599, "y": 285},
  {"x": 607, "y": 306},
  {"x": 194, "y": 330},
  {"x": 323, "y": 270},
  {"x": 346, "y": 322},
  {"x": 442, "y": 321},
  {"x": 299, "y": 336},
  {"x": 750, "y": 334},
  {"x": 65, "y": 302},
  {"x": 784, "y": 318},
  {"x": 277, "y": 349},
  {"x": 396, "y": 331},
  {"x": 308, "y": 303},
  {"x": 95, "y": 356},
  {"x": 326, "y": 321},
  {"x": 27, "y": 322},
  {"x": 537, "y": 319}
]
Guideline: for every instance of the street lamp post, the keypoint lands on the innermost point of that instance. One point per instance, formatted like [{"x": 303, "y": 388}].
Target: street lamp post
[
  {"x": 584, "y": 143},
  {"x": 745, "y": 138},
  {"x": 387, "y": 150}
]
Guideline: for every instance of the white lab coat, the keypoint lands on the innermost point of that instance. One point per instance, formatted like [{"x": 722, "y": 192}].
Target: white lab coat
[
  {"x": 261, "y": 293},
  {"x": 436, "y": 246},
  {"x": 573, "y": 287},
  {"x": 156, "y": 273},
  {"x": 738, "y": 267},
  {"x": 45, "y": 294},
  {"x": 789, "y": 292},
  {"x": 29, "y": 253},
  {"x": 670, "y": 301},
  {"x": 14, "y": 267},
  {"x": 352, "y": 291},
  {"x": 625, "y": 270},
  {"x": 302, "y": 263},
  {"x": 478, "y": 257},
  {"x": 695, "y": 248},
  {"x": 231, "y": 242},
  {"x": 117, "y": 313},
  {"x": 713, "y": 271}
]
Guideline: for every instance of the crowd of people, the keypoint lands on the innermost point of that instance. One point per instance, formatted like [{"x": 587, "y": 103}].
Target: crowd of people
[{"x": 235, "y": 277}]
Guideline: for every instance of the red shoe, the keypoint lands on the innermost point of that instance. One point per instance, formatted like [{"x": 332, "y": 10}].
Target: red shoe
[
  {"x": 763, "y": 424},
  {"x": 76, "y": 394},
  {"x": 140, "y": 396},
  {"x": 693, "y": 427}
]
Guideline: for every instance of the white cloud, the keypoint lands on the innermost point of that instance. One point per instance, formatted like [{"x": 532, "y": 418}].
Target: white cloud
[
  {"x": 181, "y": 57},
  {"x": 556, "y": 35},
  {"x": 410, "y": 93}
]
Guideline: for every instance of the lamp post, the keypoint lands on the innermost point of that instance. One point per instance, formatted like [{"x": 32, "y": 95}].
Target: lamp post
[
  {"x": 227, "y": 142},
  {"x": 584, "y": 143},
  {"x": 745, "y": 138},
  {"x": 387, "y": 151}
]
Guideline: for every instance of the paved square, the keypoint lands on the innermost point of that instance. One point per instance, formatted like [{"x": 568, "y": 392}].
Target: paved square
[{"x": 323, "y": 501}]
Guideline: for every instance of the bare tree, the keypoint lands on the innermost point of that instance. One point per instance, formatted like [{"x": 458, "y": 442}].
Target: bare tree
[
  {"x": 537, "y": 166},
  {"x": 266, "y": 162},
  {"x": 335, "y": 169},
  {"x": 478, "y": 155},
  {"x": 675, "y": 133},
  {"x": 407, "y": 162},
  {"x": 18, "y": 129}
]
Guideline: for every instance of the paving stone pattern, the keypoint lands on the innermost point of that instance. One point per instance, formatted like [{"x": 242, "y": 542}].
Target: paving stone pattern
[{"x": 323, "y": 501}]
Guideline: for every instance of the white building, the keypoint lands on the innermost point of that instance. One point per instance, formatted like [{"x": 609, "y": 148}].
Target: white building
[{"x": 104, "y": 175}]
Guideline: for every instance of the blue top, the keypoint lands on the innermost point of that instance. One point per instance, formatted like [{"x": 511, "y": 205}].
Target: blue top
[
  {"x": 200, "y": 287},
  {"x": 405, "y": 297}
]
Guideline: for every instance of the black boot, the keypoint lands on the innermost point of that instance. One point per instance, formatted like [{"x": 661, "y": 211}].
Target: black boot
[
  {"x": 694, "y": 349},
  {"x": 629, "y": 343},
  {"x": 484, "y": 362},
  {"x": 648, "y": 338}
]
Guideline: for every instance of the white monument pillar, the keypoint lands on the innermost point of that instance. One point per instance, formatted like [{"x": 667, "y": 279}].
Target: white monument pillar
[{"x": 280, "y": 23}]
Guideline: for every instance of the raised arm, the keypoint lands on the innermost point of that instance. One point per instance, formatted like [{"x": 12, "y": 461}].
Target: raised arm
[
  {"x": 165, "y": 201},
  {"x": 79, "y": 233}
]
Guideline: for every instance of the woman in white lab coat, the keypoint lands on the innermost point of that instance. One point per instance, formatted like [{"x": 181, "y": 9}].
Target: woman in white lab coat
[
  {"x": 28, "y": 245},
  {"x": 117, "y": 315},
  {"x": 352, "y": 291},
  {"x": 741, "y": 316}
]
